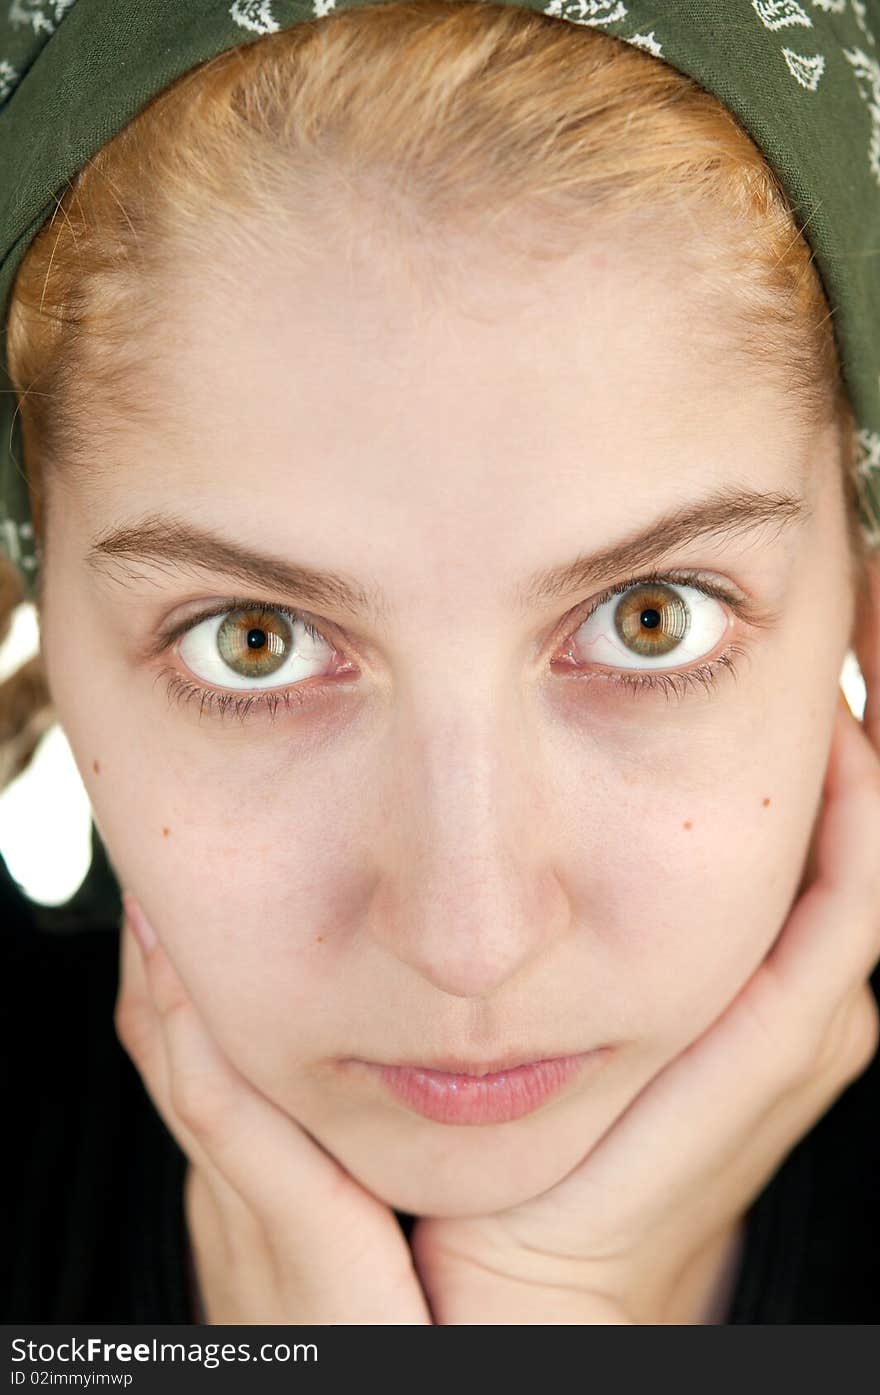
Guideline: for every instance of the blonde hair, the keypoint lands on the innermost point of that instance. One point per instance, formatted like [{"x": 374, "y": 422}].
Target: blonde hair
[{"x": 438, "y": 120}]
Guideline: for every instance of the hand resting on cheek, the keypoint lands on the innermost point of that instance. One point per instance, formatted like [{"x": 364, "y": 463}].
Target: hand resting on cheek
[{"x": 281, "y": 1232}]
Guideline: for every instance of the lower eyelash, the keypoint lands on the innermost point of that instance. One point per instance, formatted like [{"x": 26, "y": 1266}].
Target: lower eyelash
[
  {"x": 180, "y": 689},
  {"x": 183, "y": 690},
  {"x": 675, "y": 685}
]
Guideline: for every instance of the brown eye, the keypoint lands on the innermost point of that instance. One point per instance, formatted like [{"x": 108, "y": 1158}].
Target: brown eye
[
  {"x": 654, "y": 624},
  {"x": 651, "y": 620},
  {"x": 238, "y": 648},
  {"x": 254, "y": 643}
]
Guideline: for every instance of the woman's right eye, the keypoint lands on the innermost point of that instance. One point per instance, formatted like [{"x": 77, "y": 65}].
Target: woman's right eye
[{"x": 237, "y": 648}]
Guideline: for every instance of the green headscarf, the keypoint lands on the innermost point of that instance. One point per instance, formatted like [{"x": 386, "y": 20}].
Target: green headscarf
[{"x": 801, "y": 76}]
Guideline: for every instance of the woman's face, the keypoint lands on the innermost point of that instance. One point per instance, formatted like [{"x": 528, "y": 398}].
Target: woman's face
[{"x": 448, "y": 839}]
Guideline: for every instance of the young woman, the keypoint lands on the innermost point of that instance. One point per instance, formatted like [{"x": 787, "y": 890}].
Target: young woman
[{"x": 450, "y": 531}]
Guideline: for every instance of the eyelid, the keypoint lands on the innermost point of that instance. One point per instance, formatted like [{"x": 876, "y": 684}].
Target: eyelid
[
  {"x": 746, "y": 608},
  {"x": 168, "y": 635}
]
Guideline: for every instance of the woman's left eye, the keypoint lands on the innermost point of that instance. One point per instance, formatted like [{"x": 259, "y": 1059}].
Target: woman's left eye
[{"x": 658, "y": 623}]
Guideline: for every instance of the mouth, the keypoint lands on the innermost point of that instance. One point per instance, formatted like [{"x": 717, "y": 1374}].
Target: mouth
[{"x": 479, "y": 1094}]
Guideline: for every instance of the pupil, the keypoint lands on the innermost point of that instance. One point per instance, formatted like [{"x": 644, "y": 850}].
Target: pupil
[
  {"x": 256, "y": 639},
  {"x": 650, "y": 618}
]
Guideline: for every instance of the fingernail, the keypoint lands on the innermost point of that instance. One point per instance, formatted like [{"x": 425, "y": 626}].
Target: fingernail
[{"x": 143, "y": 930}]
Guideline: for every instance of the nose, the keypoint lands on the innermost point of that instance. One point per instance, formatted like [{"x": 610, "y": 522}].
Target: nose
[{"x": 467, "y": 894}]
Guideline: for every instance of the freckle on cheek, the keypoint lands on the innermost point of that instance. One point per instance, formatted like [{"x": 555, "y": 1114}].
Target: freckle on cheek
[
  {"x": 766, "y": 800},
  {"x": 687, "y": 824},
  {"x": 96, "y": 767},
  {"x": 165, "y": 832}
]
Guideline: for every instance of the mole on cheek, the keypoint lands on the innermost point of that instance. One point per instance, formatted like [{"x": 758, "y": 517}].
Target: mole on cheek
[
  {"x": 766, "y": 800},
  {"x": 687, "y": 824},
  {"x": 96, "y": 767},
  {"x": 165, "y": 832}
]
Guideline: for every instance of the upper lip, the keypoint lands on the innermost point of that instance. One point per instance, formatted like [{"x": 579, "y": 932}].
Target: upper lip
[{"x": 451, "y": 1065}]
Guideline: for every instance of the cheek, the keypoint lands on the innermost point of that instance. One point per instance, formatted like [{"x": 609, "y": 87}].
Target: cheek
[
  {"x": 247, "y": 903},
  {"x": 697, "y": 869},
  {"x": 239, "y": 885},
  {"x": 248, "y": 897},
  {"x": 258, "y": 873}
]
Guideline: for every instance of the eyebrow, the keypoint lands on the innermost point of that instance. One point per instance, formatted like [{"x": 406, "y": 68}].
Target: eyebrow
[{"x": 172, "y": 541}]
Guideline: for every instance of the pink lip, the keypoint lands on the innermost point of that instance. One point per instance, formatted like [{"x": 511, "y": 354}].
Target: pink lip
[{"x": 494, "y": 1098}]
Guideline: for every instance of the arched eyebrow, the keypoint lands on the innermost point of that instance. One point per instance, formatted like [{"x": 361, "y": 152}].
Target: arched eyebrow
[
  {"x": 166, "y": 540},
  {"x": 720, "y": 517}
]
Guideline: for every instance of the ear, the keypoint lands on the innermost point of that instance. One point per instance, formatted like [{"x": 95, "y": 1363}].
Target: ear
[{"x": 866, "y": 647}]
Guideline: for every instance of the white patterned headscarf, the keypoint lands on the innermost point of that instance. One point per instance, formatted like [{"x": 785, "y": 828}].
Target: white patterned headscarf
[{"x": 801, "y": 76}]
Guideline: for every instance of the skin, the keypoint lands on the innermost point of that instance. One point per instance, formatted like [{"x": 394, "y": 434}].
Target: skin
[{"x": 461, "y": 848}]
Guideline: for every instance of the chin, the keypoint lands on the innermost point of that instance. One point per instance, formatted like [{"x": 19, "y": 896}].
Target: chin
[
  {"x": 451, "y": 1172},
  {"x": 456, "y": 1189}
]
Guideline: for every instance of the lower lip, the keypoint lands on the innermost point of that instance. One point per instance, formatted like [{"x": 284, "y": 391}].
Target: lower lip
[{"x": 481, "y": 1099}]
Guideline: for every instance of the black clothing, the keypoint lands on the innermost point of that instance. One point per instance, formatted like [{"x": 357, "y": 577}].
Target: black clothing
[{"x": 94, "y": 1229}]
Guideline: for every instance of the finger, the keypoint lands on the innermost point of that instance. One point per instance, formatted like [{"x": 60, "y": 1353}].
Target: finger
[
  {"x": 831, "y": 941},
  {"x": 776, "y": 1027},
  {"x": 134, "y": 1016},
  {"x": 852, "y": 1036},
  {"x": 741, "y": 1094},
  {"x": 139, "y": 1029},
  {"x": 264, "y": 1154}
]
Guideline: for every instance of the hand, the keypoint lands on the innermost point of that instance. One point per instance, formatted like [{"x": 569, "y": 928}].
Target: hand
[
  {"x": 281, "y": 1232},
  {"x": 610, "y": 1242}
]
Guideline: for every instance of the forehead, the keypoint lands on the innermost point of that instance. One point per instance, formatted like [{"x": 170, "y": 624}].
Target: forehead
[
  {"x": 330, "y": 408},
  {"x": 408, "y": 358}
]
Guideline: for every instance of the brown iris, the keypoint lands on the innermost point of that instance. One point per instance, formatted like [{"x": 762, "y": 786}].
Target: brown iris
[
  {"x": 254, "y": 642},
  {"x": 652, "y": 620}
]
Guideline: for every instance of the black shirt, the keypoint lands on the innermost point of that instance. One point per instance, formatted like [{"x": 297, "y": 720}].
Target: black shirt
[{"x": 94, "y": 1229}]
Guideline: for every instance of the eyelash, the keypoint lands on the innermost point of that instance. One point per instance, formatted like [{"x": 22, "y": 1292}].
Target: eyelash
[{"x": 673, "y": 684}]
